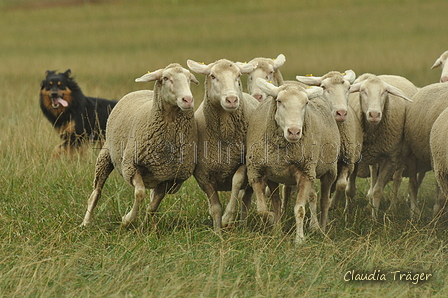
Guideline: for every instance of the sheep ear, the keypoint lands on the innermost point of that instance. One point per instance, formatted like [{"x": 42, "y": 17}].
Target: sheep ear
[
  {"x": 437, "y": 63},
  {"x": 354, "y": 88},
  {"x": 193, "y": 79},
  {"x": 350, "y": 76},
  {"x": 313, "y": 92},
  {"x": 150, "y": 76},
  {"x": 247, "y": 67},
  {"x": 199, "y": 67},
  {"x": 279, "y": 61},
  {"x": 397, "y": 92},
  {"x": 311, "y": 81},
  {"x": 268, "y": 88}
]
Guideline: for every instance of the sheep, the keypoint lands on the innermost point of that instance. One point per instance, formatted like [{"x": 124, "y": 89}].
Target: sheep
[
  {"x": 151, "y": 139},
  {"x": 267, "y": 69},
  {"x": 439, "y": 150},
  {"x": 292, "y": 139},
  {"x": 441, "y": 61},
  {"x": 383, "y": 119},
  {"x": 336, "y": 87},
  {"x": 428, "y": 103},
  {"x": 222, "y": 120}
]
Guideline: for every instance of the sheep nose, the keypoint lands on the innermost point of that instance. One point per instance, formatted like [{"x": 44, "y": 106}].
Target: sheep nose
[
  {"x": 232, "y": 101},
  {"x": 187, "y": 101},
  {"x": 294, "y": 132},
  {"x": 341, "y": 115},
  {"x": 444, "y": 79},
  {"x": 374, "y": 114},
  {"x": 258, "y": 96}
]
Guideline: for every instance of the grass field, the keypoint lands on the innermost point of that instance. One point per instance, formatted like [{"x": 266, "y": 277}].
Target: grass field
[{"x": 107, "y": 44}]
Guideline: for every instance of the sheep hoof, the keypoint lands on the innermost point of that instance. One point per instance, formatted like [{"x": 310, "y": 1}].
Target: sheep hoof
[
  {"x": 228, "y": 219},
  {"x": 299, "y": 240}
]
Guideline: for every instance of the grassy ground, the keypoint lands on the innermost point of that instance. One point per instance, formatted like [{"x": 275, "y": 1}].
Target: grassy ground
[{"x": 107, "y": 45}]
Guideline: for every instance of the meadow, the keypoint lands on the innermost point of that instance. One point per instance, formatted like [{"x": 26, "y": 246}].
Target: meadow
[{"x": 107, "y": 44}]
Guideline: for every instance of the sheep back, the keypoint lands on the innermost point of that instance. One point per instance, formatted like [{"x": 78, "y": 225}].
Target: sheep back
[
  {"x": 221, "y": 141},
  {"x": 439, "y": 150},
  {"x": 269, "y": 154},
  {"x": 140, "y": 138},
  {"x": 427, "y": 105},
  {"x": 385, "y": 139}
]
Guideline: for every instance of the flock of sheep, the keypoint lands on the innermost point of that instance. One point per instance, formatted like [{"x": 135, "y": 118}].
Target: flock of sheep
[{"x": 335, "y": 128}]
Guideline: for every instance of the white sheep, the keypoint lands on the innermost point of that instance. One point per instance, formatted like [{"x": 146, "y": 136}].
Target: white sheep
[
  {"x": 441, "y": 61},
  {"x": 267, "y": 69},
  {"x": 151, "y": 139},
  {"x": 439, "y": 150},
  {"x": 428, "y": 103},
  {"x": 336, "y": 91},
  {"x": 222, "y": 120},
  {"x": 292, "y": 139},
  {"x": 380, "y": 99}
]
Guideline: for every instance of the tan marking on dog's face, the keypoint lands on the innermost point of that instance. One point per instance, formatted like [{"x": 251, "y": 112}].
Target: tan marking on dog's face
[{"x": 46, "y": 94}]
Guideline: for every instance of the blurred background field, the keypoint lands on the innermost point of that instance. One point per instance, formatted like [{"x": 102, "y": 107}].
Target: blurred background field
[{"x": 107, "y": 44}]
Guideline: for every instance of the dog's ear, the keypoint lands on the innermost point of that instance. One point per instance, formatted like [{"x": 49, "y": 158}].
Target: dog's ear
[
  {"x": 49, "y": 72},
  {"x": 67, "y": 73}
]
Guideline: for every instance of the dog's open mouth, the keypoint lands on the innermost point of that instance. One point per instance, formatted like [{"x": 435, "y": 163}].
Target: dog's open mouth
[{"x": 58, "y": 101}]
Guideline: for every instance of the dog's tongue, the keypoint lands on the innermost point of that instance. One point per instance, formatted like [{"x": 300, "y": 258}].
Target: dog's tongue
[{"x": 62, "y": 102}]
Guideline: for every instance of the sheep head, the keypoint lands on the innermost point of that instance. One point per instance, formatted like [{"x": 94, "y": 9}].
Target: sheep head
[
  {"x": 175, "y": 85},
  {"x": 223, "y": 85},
  {"x": 336, "y": 90},
  {"x": 265, "y": 69},
  {"x": 374, "y": 93},
  {"x": 291, "y": 104},
  {"x": 441, "y": 61}
]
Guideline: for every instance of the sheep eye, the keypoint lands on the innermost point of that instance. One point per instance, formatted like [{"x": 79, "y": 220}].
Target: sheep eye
[
  {"x": 212, "y": 76},
  {"x": 165, "y": 78}
]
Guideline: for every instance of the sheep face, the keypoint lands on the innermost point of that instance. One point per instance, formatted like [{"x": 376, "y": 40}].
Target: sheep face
[
  {"x": 175, "y": 81},
  {"x": 441, "y": 61},
  {"x": 290, "y": 114},
  {"x": 223, "y": 85},
  {"x": 291, "y": 104},
  {"x": 265, "y": 70},
  {"x": 374, "y": 93},
  {"x": 336, "y": 90}
]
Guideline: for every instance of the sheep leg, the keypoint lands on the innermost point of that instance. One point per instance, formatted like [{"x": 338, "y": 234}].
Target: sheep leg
[
  {"x": 350, "y": 193},
  {"x": 275, "y": 199},
  {"x": 103, "y": 168},
  {"x": 314, "y": 222},
  {"x": 139, "y": 195},
  {"x": 341, "y": 185},
  {"x": 259, "y": 187},
  {"x": 303, "y": 194},
  {"x": 286, "y": 193},
  {"x": 397, "y": 179},
  {"x": 386, "y": 171},
  {"x": 156, "y": 196},
  {"x": 215, "y": 207},
  {"x": 246, "y": 202},
  {"x": 237, "y": 183},
  {"x": 440, "y": 202},
  {"x": 325, "y": 185},
  {"x": 373, "y": 178}
]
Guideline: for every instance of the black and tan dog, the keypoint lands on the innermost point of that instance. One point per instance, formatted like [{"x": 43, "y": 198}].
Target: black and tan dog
[{"x": 76, "y": 117}]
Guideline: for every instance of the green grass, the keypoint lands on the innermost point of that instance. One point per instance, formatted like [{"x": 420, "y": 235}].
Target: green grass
[{"x": 107, "y": 45}]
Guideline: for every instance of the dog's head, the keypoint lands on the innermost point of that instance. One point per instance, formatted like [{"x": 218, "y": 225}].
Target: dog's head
[{"x": 55, "y": 91}]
